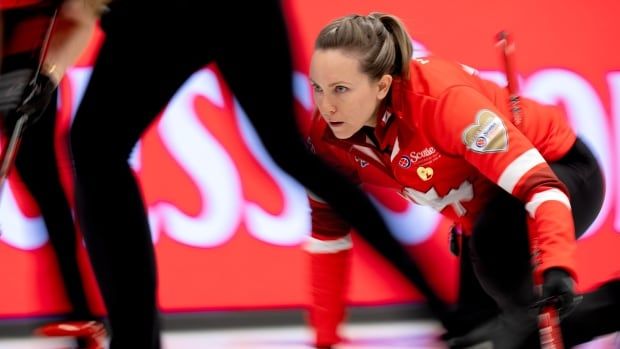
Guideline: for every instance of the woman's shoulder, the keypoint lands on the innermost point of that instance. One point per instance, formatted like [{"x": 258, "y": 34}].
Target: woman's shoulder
[{"x": 433, "y": 75}]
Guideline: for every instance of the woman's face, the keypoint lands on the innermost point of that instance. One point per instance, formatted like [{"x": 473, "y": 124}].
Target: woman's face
[{"x": 346, "y": 98}]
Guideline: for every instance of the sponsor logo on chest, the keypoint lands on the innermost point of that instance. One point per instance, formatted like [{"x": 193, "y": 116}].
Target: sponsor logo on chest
[
  {"x": 420, "y": 161},
  {"x": 418, "y": 158}
]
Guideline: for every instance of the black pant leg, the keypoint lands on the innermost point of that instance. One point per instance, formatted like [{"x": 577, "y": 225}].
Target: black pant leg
[
  {"x": 474, "y": 306},
  {"x": 146, "y": 57},
  {"x": 37, "y": 165},
  {"x": 500, "y": 253},
  {"x": 582, "y": 175}
]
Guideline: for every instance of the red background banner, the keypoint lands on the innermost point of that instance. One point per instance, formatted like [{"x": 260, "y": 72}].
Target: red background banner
[{"x": 229, "y": 226}]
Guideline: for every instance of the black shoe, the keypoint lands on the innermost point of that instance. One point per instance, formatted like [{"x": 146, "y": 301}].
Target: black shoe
[{"x": 515, "y": 331}]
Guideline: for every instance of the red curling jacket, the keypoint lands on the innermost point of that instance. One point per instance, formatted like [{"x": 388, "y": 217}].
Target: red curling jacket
[{"x": 447, "y": 140}]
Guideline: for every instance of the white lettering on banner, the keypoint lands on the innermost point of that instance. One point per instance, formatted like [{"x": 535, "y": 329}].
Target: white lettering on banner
[
  {"x": 207, "y": 163},
  {"x": 293, "y": 224},
  {"x": 79, "y": 79},
  {"x": 587, "y": 115},
  {"x": 613, "y": 79},
  {"x": 219, "y": 181},
  {"x": 214, "y": 172},
  {"x": 302, "y": 90},
  {"x": 24, "y": 233}
]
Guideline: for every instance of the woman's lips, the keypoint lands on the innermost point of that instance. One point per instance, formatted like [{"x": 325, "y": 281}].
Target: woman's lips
[{"x": 336, "y": 123}]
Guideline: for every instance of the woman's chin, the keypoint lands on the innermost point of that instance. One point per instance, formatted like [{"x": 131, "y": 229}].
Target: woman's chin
[{"x": 342, "y": 134}]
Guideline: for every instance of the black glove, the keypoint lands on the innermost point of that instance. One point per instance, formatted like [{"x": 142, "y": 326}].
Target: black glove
[
  {"x": 22, "y": 94},
  {"x": 12, "y": 88},
  {"x": 558, "y": 288},
  {"x": 37, "y": 97}
]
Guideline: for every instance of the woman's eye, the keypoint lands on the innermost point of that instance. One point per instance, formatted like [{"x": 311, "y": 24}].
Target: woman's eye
[
  {"x": 316, "y": 88},
  {"x": 341, "y": 89}
]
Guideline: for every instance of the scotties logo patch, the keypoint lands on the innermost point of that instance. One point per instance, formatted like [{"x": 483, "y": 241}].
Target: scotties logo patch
[{"x": 487, "y": 135}]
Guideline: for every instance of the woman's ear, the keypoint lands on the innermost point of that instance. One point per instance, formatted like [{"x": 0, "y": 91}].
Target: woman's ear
[{"x": 384, "y": 86}]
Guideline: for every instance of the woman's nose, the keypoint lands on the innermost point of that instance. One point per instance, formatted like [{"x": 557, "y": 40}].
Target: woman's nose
[{"x": 328, "y": 108}]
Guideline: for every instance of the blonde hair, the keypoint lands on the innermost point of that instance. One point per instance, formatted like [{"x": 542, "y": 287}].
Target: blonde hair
[{"x": 379, "y": 40}]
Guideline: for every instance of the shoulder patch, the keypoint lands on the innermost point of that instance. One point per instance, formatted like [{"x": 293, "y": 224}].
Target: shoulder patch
[{"x": 486, "y": 135}]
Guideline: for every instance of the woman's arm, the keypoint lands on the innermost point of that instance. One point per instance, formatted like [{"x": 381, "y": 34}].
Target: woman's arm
[{"x": 72, "y": 32}]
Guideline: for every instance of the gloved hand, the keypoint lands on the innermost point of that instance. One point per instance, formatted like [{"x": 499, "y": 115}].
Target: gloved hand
[
  {"x": 37, "y": 97},
  {"x": 12, "y": 88},
  {"x": 558, "y": 286},
  {"x": 23, "y": 93}
]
